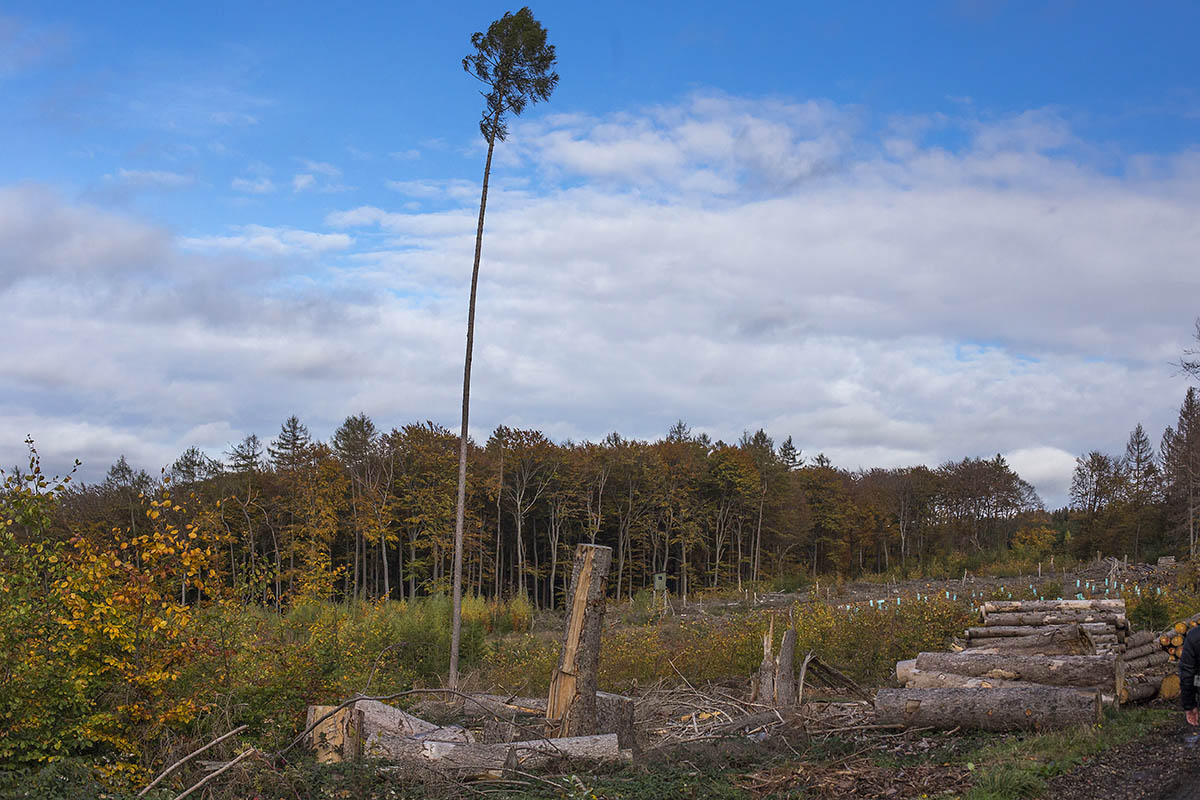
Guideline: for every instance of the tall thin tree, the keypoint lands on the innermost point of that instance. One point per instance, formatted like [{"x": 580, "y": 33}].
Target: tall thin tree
[{"x": 516, "y": 65}]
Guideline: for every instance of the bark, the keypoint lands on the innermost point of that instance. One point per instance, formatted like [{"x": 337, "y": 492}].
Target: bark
[
  {"x": 1002, "y": 709},
  {"x": 1067, "y": 640},
  {"x": 571, "y": 706},
  {"x": 1134, "y": 653},
  {"x": 1102, "y": 670},
  {"x": 766, "y": 670},
  {"x": 1147, "y": 661},
  {"x": 614, "y": 714},
  {"x": 1139, "y": 639},
  {"x": 479, "y": 759},
  {"x": 920, "y": 679},
  {"x": 785, "y": 670},
  {"x": 1064, "y": 617},
  {"x": 1004, "y": 606}
]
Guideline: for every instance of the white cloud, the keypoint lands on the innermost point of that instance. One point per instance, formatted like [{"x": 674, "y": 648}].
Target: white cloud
[
  {"x": 303, "y": 181},
  {"x": 256, "y": 185},
  {"x": 882, "y": 298},
  {"x": 1048, "y": 468},
  {"x": 154, "y": 179},
  {"x": 266, "y": 241}
]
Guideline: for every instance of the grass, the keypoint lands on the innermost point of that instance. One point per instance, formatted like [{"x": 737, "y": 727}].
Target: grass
[{"x": 1020, "y": 766}]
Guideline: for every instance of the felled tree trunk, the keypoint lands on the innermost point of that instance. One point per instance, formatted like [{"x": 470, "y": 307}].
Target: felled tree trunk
[
  {"x": 470, "y": 758},
  {"x": 353, "y": 732},
  {"x": 1057, "y": 640},
  {"x": 1090, "y": 671},
  {"x": 1064, "y": 617},
  {"x": 571, "y": 706},
  {"x": 1002, "y": 709},
  {"x": 1145, "y": 662},
  {"x": 920, "y": 679},
  {"x": 1007, "y": 606}
]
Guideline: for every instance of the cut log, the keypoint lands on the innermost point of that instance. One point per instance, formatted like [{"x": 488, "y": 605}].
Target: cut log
[
  {"x": 494, "y": 706},
  {"x": 1100, "y": 670},
  {"x": 1003, "y": 709},
  {"x": 1008, "y": 606},
  {"x": 353, "y": 730},
  {"x": 479, "y": 759},
  {"x": 1140, "y": 639},
  {"x": 1056, "y": 640},
  {"x": 992, "y": 631},
  {"x": 1133, "y": 653},
  {"x": 1144, "y": 685},
  {"x": 920, "y": 679},
  {"x": 511, "y": 719},
  {"x": 1146, "y": 661},
  {"x": 1054, "y": 618},
  {"x": 905, "y": 669},
  {"x": 1169, "y": 689},
  {"x": 571, "y": 705}
]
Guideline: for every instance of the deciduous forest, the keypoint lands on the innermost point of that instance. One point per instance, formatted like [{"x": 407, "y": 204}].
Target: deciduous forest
[{"x": 369, "y": 514}]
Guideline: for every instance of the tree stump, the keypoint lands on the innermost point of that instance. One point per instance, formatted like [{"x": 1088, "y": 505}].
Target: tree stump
[{"x": 571, "y": 705}]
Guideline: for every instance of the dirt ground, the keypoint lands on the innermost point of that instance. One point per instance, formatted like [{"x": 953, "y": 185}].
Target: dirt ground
[{"x": 1163, "y": 765}]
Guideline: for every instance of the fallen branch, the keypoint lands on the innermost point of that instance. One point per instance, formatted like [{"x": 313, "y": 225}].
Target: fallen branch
[
  {"x": 162, "y": 775},
  {"x": 200, "y": 783}
]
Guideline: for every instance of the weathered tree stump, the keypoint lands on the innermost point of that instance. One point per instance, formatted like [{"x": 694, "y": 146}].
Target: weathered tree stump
[{"x": 571, "y": 705}]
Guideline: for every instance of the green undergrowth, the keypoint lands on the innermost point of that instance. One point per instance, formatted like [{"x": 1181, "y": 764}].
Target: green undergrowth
[{"x": 1019, "y": 767}]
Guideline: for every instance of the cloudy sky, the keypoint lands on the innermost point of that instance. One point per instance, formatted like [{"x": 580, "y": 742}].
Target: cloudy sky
[{"x": 901, "y": 237}]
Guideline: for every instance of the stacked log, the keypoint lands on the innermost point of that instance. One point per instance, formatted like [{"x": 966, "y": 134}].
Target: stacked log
[
  {"x": 1102, "y": 621},
  {"x": 1029, "y": 665},
  {"x": 1171, "y": 640}
]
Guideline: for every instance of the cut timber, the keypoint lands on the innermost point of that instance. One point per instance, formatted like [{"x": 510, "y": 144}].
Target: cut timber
[
  {"x": 1139, "y": 639},
  {"x": 1144, "y": 686},
  {"x": 511, "y": 719},
  {"x": 1102, "y": 670},
  {"x": 1003, "y": 606},
  {"x": 353, "y": 731},
  {"x": 1147, "y": 661},
  {"x": 993, "y": 631},
  {"x": 905, "y": 669},
  {"x": 478, "y": 759},
  {"x": 571, "y": 706},
  {"x": 1056, "y": 640},
  {"x": 1134, "y": 653},
  {"x": 1003, "y": 709},
  {"x": 1169, "y": 689},
  {"x": 1054, "y": 618},
  {"x": 920, "y": 679}
]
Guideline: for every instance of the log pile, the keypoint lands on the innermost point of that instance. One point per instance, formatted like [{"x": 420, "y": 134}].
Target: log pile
[
  {"x": 1171, "y": 640},
  {"x": 1028, "y": 665},
  {"x": 1103, "y": 622}
]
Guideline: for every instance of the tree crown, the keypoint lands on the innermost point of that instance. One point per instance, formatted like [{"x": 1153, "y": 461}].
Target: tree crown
[{"x": 517, "y": 65}]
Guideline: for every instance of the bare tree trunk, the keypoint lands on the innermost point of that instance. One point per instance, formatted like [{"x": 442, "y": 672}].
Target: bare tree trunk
[{"x": 461, "y": 502}]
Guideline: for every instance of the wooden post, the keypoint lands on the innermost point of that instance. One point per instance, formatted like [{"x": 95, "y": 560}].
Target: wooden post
[{"x": 571, "y": 705}]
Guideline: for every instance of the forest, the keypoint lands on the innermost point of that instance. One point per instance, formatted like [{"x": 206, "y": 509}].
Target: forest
[{"x": 369, "y": 514}]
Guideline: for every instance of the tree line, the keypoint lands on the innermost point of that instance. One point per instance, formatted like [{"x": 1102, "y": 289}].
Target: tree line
[{"x": 370, "y": 514}]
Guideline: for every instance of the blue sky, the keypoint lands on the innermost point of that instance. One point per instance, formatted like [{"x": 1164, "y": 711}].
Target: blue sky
[{"x": 900, "y": 233}]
